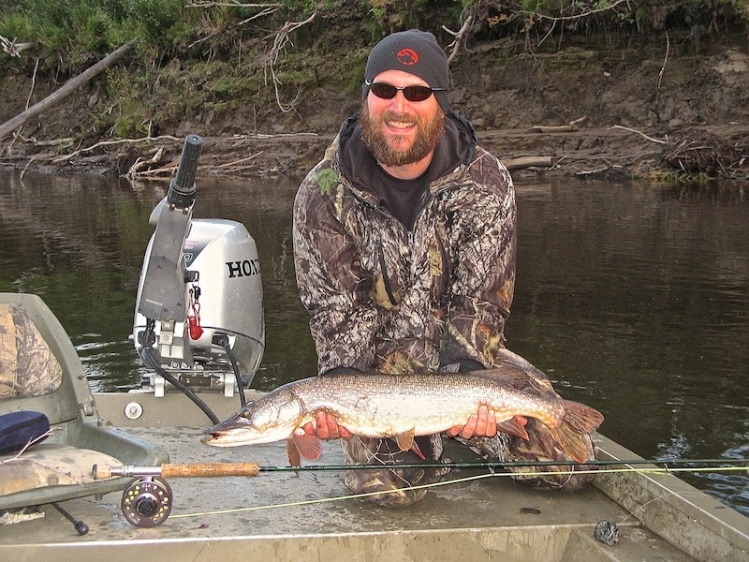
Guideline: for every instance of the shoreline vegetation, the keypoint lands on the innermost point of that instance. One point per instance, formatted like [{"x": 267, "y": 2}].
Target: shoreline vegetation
[{"x": 606, "y": 88}]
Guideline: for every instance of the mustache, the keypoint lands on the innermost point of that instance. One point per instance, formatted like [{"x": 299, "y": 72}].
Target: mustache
[{"x": 394, "y": 117}]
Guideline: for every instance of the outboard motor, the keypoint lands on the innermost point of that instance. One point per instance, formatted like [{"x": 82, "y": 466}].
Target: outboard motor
[{"x": 199, "y": 320}]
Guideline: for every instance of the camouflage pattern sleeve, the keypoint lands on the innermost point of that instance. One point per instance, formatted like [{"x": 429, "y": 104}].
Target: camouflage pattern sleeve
[
  {"x": 483, "y": 244},
  {"x": 343, "y": 320}
]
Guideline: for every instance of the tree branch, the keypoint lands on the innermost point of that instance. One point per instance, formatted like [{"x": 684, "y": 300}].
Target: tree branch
[
  {"x": 68, "y": 88},
  {"x": 279, "y": 42}
]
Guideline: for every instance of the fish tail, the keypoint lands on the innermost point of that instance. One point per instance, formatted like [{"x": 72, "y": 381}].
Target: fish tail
[
  {"x": 580, "y": 418},
  {"x": 573, "y": 442},
  {"x": 578, "y": 421}
]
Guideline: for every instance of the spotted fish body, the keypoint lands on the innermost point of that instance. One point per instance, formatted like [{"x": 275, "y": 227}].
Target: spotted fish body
[{"x": 375, "y": 405}]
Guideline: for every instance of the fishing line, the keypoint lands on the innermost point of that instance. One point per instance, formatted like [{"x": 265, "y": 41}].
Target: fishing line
[
  {"x": 337, "y": 498},
  {"x": 653, "y": 470},
  {"x": 739, "y": 464}
]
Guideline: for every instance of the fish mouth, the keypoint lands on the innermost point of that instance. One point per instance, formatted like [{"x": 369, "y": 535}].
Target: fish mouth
[
  {"x": 215, "y": 440},
  {"x": 226, "y": 434},
  {"x": 224, "y": 438},
  {"x": 236, "y": 432}
]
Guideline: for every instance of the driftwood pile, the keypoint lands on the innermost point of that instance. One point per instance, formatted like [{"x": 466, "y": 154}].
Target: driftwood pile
[
  {"x": 691, "y": 154},
  {"x": 697, "y": 152}
]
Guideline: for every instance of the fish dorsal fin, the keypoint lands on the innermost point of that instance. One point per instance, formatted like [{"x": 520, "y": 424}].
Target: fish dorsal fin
[
  {"x": 405, "y": 440},
  {"x": 580, "y": 417},
  {"x": 514, "y": 426},
  {"x": 572, "y": 434},
  {"x": 508, "y": 375},
  {"x": 308, "y": 446}
]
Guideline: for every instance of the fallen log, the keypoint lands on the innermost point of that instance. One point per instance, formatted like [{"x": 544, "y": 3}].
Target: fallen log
[
  {"x": 527, "y": 162},
  {"x": 69, "y": 87},
  {"x": 570, "y": 127}
]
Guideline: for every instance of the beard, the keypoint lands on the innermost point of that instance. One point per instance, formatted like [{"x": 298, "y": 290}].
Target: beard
[{"x": 429, "y": 131}]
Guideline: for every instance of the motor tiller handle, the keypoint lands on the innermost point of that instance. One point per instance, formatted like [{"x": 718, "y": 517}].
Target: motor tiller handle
[{"x": 182, "y": 188}]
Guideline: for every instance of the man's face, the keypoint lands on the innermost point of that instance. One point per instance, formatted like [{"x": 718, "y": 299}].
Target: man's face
[{"x": 397, "y": 131}]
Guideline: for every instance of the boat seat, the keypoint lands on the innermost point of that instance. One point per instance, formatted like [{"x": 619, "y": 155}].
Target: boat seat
[{"x": 40, "y": 371}]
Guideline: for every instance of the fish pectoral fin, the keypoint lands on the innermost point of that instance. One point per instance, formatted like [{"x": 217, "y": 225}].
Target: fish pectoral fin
[
  {"x": 308, "y": 446},
  {"x": 405, "y": 440},
  {"x": 514, "y": 426},
  {"x": 292, "y": 453}
]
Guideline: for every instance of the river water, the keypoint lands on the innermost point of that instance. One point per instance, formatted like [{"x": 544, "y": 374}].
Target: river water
[{"x": 632, "y": 297}]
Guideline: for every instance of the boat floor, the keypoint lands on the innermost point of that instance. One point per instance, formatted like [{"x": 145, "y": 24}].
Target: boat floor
[{"x": 282, "y": 516}]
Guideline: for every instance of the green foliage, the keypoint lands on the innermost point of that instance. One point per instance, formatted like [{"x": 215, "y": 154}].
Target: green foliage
[
  {"x": 76, "y": 31},
  {"x": 71, "y": 33},
  {"x": 429, "y": 15},
  {"x": 16, "y": 26},
  {"x": 551, "y": 22},
  {"x": 131, "y": 120},
  {"x": 359, "y": 64},
  {"x": 191, "y": 60}
]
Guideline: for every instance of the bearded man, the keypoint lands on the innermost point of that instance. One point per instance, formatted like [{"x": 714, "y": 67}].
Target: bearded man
[{"x": 404, "y": 247}]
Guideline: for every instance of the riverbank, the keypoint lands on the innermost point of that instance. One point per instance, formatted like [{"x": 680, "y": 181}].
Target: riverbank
[{"x": 648, "y": 111}]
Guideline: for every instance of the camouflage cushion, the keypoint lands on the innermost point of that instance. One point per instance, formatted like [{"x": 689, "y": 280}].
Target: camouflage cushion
[
  {"x": 50, "y": 464},
  {"x": 27, "y": 365}
]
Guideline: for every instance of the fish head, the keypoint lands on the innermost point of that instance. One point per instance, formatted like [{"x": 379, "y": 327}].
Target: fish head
[{"x": 262, "y": 421}]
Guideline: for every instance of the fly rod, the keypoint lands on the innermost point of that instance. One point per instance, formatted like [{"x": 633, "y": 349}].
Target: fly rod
[
  {"x": 147, "y": 500},
  {"x": 253, "y": 469}
]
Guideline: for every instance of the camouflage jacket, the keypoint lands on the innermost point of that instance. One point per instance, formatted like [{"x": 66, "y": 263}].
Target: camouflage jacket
[{"x": 382, "y": 298}]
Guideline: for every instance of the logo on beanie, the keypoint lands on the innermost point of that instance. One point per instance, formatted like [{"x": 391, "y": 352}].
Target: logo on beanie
[{"x": 407, "y": 57}]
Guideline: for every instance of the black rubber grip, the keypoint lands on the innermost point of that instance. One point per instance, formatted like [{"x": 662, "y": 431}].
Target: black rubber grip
[{"x": 182, "y": 188}]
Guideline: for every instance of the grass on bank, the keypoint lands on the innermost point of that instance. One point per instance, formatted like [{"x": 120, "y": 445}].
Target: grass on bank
[{"x": 68, "y": 34}]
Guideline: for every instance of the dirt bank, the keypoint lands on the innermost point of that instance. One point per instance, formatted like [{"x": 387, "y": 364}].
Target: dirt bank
[{"x": 641, "y": 111}]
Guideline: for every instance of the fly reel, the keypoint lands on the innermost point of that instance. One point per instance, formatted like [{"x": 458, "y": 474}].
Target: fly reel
[{"x": 147, "y": 501}]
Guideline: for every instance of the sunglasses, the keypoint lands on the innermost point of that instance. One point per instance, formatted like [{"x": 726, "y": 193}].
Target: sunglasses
[{"x": 411, "y": 93}]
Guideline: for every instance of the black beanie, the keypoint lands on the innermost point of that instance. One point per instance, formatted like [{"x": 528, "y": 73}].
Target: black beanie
[{"x": 413, "y": 51}]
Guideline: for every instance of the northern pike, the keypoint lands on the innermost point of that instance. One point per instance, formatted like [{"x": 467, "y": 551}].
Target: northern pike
[{"x": 400, "y": 407}]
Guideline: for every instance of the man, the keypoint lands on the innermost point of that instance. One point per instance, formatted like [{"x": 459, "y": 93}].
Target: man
[{"x": 404, "y": 244}]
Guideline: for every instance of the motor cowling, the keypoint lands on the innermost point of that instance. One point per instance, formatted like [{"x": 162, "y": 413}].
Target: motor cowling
[{"x": 224, "y": 305}]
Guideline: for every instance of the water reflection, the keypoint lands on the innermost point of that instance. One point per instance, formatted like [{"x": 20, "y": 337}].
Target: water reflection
[{"x": 633, "y": 297}]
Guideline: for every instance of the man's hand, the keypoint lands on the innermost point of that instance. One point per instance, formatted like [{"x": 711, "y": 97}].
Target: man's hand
[
  {"x": 326, "y": 426},
  {"x": 483, "y": 424}
]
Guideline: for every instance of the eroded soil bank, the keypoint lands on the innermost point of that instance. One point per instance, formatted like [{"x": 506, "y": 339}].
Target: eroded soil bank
[{"x": 641, "y": 111}]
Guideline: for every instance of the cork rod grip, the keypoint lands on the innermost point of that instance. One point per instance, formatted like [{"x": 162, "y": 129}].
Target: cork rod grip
[
  {"x": 179, "y": 470},
  {"x": 210, "y": 469}
]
